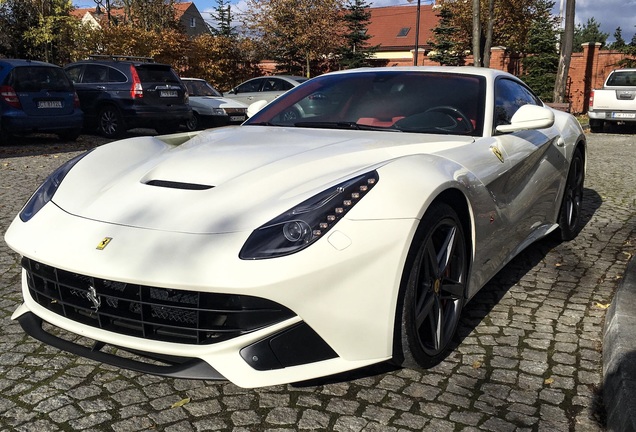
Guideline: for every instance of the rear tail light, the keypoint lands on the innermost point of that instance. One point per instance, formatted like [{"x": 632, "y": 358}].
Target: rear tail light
[
  {"x": 136, "y": 90},
  {"x": 76, "y": 102},
  {"x": 591, "y": 99},
  {"x": 10, "y": 96}
]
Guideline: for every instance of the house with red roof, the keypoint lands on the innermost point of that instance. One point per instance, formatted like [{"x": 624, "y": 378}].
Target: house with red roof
[
  {"x": 394, "y": 29},
  {"x": 186, "y": 12}
]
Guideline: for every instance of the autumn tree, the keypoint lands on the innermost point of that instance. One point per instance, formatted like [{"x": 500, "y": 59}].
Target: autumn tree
[
  {"x": 222, "y": 61},
  {"x": 149, "y": 15},
  {"x": 37, "y": 30},
  {"x": 356, "y": 50},
  {"x": 302, "y": 36},
  {"x": 510, "y": 22}
]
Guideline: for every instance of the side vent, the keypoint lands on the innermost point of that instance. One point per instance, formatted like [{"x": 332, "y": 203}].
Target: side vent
[{"x": 178, "y": 185}]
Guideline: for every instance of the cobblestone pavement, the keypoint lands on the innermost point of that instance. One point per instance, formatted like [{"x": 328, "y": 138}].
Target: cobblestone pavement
[{"x": 528, "y": 355}]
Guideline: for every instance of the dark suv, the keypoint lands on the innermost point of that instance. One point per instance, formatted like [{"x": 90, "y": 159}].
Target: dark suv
[
  {"x": 37, "y": 97},
  {"x": 118, "y": 93}
]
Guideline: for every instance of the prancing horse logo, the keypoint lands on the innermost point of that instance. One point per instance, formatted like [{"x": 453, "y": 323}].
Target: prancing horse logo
[{"x": 94, "y": 298}]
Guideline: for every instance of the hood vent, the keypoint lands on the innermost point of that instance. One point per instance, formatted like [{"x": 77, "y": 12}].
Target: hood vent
[{"x": 178, "y": 185}]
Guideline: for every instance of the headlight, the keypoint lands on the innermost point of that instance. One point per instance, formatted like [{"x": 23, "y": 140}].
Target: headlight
[
  {"x": 302, "y": 225},
  {"x": 218, "y": 111},
  {"x": 47, "y": 189}
]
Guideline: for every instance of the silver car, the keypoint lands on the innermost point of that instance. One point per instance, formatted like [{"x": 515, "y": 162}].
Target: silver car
[
  {"x": 210, "y": 108},
  {"x": 265, "y": 88}
]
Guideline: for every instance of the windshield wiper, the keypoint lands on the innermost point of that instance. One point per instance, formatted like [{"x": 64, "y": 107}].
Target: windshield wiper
[{"x": 344, "y": 125}]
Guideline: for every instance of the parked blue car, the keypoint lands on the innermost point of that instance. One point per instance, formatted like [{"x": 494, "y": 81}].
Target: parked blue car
[{"x": 37, "y": 97}]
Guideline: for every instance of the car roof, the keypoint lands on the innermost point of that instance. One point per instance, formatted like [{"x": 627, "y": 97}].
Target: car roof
[
  {"x": 24, "y": 62},
  {"x": 126, "y": 60},
  {"x": 468, "y": 70}
]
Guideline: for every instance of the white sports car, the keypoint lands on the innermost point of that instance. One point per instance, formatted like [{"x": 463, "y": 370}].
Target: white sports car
[{"x": 345, "y": 224}]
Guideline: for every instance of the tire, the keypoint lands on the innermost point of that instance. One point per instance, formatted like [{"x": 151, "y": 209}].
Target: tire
[
  {"x": 433, "y": 290},
  {"x": 69, "y": 135},
  {"x": 110, "y": 122},
  {"x": 193, "y": 123},
  {"x": 290, "y": 116},
  {"x": 570, "y": 212},
  {"x": 596, "y": 126}
]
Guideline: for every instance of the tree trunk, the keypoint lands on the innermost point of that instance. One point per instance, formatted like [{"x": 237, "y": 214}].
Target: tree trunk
[
  {"x": 476, "y": 34},
  {"x": 567, "y": 38},
  {"x": 489, "y": 29}
]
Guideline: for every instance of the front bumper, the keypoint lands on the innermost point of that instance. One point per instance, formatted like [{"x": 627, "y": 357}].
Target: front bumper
[
  {"x": 343, "y": 288},
  {"x": 613, "y": 116}
]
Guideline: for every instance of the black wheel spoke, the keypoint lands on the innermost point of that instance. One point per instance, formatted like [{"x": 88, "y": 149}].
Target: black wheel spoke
[
  {"x": 423, "y": 309},
  {"x": 452, "y": 290},
  {"x": 446, "y": 251}
]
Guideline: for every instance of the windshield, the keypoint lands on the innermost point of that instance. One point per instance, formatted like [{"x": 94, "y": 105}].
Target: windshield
[
  {"x": 622, "y": 79},
  {"x": 397, "y": 101},
  {"x": 200, "y": 88}
]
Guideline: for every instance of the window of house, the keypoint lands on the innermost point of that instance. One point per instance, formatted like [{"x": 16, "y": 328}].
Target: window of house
[
  {"x": 403, "y": 31},
  {"x": 193, "y": 22}
]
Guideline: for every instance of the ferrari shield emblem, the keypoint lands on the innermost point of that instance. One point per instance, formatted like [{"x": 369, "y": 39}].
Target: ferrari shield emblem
[
  {"x": 497, "y": 153},
  {"x": 102, "y": 244}
]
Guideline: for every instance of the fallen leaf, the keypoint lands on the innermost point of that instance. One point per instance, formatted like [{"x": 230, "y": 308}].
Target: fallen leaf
[
  {"x": 548, "y": 381},
  {"x": 181, "y": 403},
  {"x": 602, "y": 305}
]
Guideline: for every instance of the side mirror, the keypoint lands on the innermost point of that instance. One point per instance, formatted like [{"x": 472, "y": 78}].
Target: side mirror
[
  {"x": 529, "y": 117},
  {"x": 255, "y": 107}
]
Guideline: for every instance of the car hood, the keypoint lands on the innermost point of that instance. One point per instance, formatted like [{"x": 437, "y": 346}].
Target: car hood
[
  {"x": 215, "y": 102},
  {"x": 228, "y": 179}
]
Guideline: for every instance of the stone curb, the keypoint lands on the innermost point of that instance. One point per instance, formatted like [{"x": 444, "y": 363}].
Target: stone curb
[{"x": 619, "y": 355}]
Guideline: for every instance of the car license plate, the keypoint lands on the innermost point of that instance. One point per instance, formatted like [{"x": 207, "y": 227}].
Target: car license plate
[
  {"x": 237, "y": 118},
  {"x": 168, "y": 93},
  {"x": 624, "y": 115},
  {"x": 49, "y": 104}
]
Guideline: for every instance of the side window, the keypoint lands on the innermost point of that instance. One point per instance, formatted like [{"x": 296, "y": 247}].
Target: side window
[
  {"x": 249, "y": 86},
  {"x": 276, "y": 84},
  {"x": 95, "y": 74},
  {"x": 509, "y": 97},
  {"x": 115, "y": 76},
  {"x": 284, "y": 85},
  {"x": 74, "y": 73}
]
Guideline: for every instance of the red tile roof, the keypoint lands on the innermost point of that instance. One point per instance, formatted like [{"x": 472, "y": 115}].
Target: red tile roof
[
  {"x": 179, "y": 10},
  {"x": 386, "y": 23}
]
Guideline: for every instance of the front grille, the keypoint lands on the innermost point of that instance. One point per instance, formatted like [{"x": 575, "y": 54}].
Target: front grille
[
  {"x": 233, "y": 111},
  {"x": 162, "y": 314}
]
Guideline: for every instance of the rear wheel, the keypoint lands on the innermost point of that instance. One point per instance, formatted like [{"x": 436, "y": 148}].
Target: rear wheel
[
  {"x": 434, "y": 289},
  {"x": 194, "y": 122},
  {"x": 110, "y": 122},
  {"x": 570, "y": 213}
]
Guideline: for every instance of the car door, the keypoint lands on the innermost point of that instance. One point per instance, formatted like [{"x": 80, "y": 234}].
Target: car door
[
  {"x": 527, "y": 191},
  {"x": 248, "y": 92},
  {"x": 274, "y": 87},
  {"x": 90, "y": 82}
]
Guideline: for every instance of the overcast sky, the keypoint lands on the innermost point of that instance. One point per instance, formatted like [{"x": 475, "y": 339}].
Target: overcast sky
[{"x": 610, "y": 14}]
